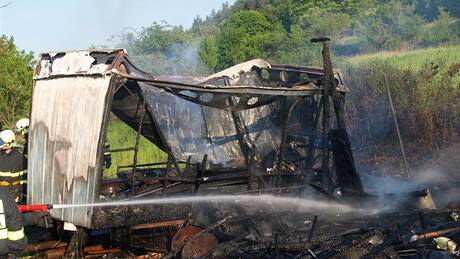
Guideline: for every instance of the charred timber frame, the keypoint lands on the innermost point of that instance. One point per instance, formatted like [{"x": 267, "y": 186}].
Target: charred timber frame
[
  {"x": 284, "y": 82},
  {"x": 245, "y": 141},
  {"x": 347, "y": 177}
]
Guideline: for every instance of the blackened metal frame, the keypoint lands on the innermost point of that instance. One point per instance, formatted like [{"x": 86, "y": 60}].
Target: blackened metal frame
[{"x": 120, "y": 63}]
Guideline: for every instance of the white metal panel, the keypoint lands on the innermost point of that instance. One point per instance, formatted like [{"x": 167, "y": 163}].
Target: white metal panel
[{"x": 66, "y": 121}]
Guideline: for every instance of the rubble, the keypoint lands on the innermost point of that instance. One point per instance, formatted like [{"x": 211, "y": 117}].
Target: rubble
[{"x": 256, "y": 128}]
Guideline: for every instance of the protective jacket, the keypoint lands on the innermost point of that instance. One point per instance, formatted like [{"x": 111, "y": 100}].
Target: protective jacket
[
  {"x": 24, "y": 176},
  {"x": 11, "y": 227},
  {"x": 26, "y": 146},
  {"x": 13, "y": 173}
]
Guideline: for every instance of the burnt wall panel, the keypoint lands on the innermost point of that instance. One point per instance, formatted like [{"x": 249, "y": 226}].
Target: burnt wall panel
[{"x": 66, "y": 121}]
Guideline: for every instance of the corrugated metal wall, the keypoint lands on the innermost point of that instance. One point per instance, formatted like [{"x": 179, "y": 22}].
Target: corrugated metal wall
[{"x": 66, "y": 120}]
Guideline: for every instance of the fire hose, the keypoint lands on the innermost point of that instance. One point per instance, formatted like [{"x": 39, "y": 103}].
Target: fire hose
[{"x": 35, "y": 207}]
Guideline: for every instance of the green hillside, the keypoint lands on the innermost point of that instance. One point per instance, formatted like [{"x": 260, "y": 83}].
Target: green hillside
[
  {"x": 279, "y": 31},
  {"x": 414, "y": 59}
]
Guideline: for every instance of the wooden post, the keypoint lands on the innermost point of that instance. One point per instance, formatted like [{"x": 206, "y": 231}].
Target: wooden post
[
  {"x": 327, "y": 85},
  {"x": 77, "y": 243}
]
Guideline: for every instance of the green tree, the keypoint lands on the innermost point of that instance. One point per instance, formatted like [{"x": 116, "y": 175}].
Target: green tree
[
  {"x": 15, "y": 82},
  {"x": 279, "y": 31},
  {"x": 441, "y": 31},
  {"x": 296, "y": 48},
  {"x": 247, "y": 35},
  {"x": 321, "y": 22},
  {"x": 392, "y": 26},
  {"x": 208, "y": 52},
  {"x": 163, "y": 49}
]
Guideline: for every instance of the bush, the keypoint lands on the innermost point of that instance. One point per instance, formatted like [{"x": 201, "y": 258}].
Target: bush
[
  {"x": 441, "y": 31},
  {"x": 248, "y": 35},
  {"x": 15, "y": 82},
  {"x": 392, "y": 26}
]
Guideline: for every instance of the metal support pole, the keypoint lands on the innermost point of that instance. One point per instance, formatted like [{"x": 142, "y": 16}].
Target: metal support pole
[
  {"x": 246, "y": 144},
  {"x": 168, "y": 167},
  {"x": 285, "y": 132},
  {"x": 393, "y": 112},
  {"x": 165, "y": 143},
  {"x": 136, "y": 147},
  {"x": 311, "y": 151}
]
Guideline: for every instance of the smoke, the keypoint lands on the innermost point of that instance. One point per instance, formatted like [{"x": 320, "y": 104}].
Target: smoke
[
  {"x": 179, "y": 59},
  {"x": 441, "y": 183},
  {"x": 381, "y": 185},
  {"x": 176, "y": 59}
]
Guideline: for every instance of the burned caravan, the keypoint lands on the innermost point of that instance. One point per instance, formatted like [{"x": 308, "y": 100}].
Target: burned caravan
[{"x": 253, "y": 128}]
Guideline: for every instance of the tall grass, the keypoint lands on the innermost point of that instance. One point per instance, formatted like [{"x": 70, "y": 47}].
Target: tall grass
[
  {"x": 425, "y": 85},
  {"x": 414, "y": 59},
  {"x": 120, "y": 135}
]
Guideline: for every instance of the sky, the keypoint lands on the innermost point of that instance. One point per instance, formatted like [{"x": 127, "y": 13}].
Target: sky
[{"x": 45, "y": 25}]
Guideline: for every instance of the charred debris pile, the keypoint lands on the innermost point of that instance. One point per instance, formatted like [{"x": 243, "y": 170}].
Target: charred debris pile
[{"x": 253, "y": 129}]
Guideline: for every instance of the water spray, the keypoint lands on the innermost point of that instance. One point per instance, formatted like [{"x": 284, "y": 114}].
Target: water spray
[{"x": 243, "y": 200}]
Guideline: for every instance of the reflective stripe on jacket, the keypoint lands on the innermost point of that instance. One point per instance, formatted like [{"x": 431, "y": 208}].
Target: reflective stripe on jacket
[
  {"x": 12, "y": 236},
  {"x": 13, "y": 173}
]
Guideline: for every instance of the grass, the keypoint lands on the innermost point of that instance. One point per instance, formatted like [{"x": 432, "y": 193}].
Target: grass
[
  {"x": 425, "y": 85},
  {"x": 414, "y": 59},
  {"x": 120, "y": 135}
]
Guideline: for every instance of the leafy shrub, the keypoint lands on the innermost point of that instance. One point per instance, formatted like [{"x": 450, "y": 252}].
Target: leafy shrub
[
  {"x": 15, "y": 82},
  {"x": 441, "y": 31}
]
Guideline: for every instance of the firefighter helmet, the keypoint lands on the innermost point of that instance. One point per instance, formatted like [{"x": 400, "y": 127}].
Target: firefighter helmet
[
  {"x": 7, "y": 139},
  {"x": 22, "y": 126}
]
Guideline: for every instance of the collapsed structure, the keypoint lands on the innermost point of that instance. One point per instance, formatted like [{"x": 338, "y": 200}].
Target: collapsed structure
[
  {"x": 255, "y": 128},
  {"x": 250, "y": 128}
]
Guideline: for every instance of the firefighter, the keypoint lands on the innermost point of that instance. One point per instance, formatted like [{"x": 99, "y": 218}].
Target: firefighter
[
  {"x": 12, "y": 165},
  {"x": 12, "y": 238},
  {"x": 22, "y": 128}
]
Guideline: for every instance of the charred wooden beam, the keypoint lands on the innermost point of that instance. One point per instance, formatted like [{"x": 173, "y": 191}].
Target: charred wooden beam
[
  {"x": 200, "y": 172},
  {"x": 100, "y": 250},
  {"x": 160, "y": 224},
  {"x": 327, "y": 85},
  {"x": 348, "y": 178},
  {"x": 77, "y": 244},
  {"x": 30, "y": 248},
  {"x": 312, "y": 228}
]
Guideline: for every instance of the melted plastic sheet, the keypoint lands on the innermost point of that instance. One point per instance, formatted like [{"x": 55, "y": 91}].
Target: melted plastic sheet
[
  {"x": 192, "y": 129},
  {"x": 195, "y": 127}
]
